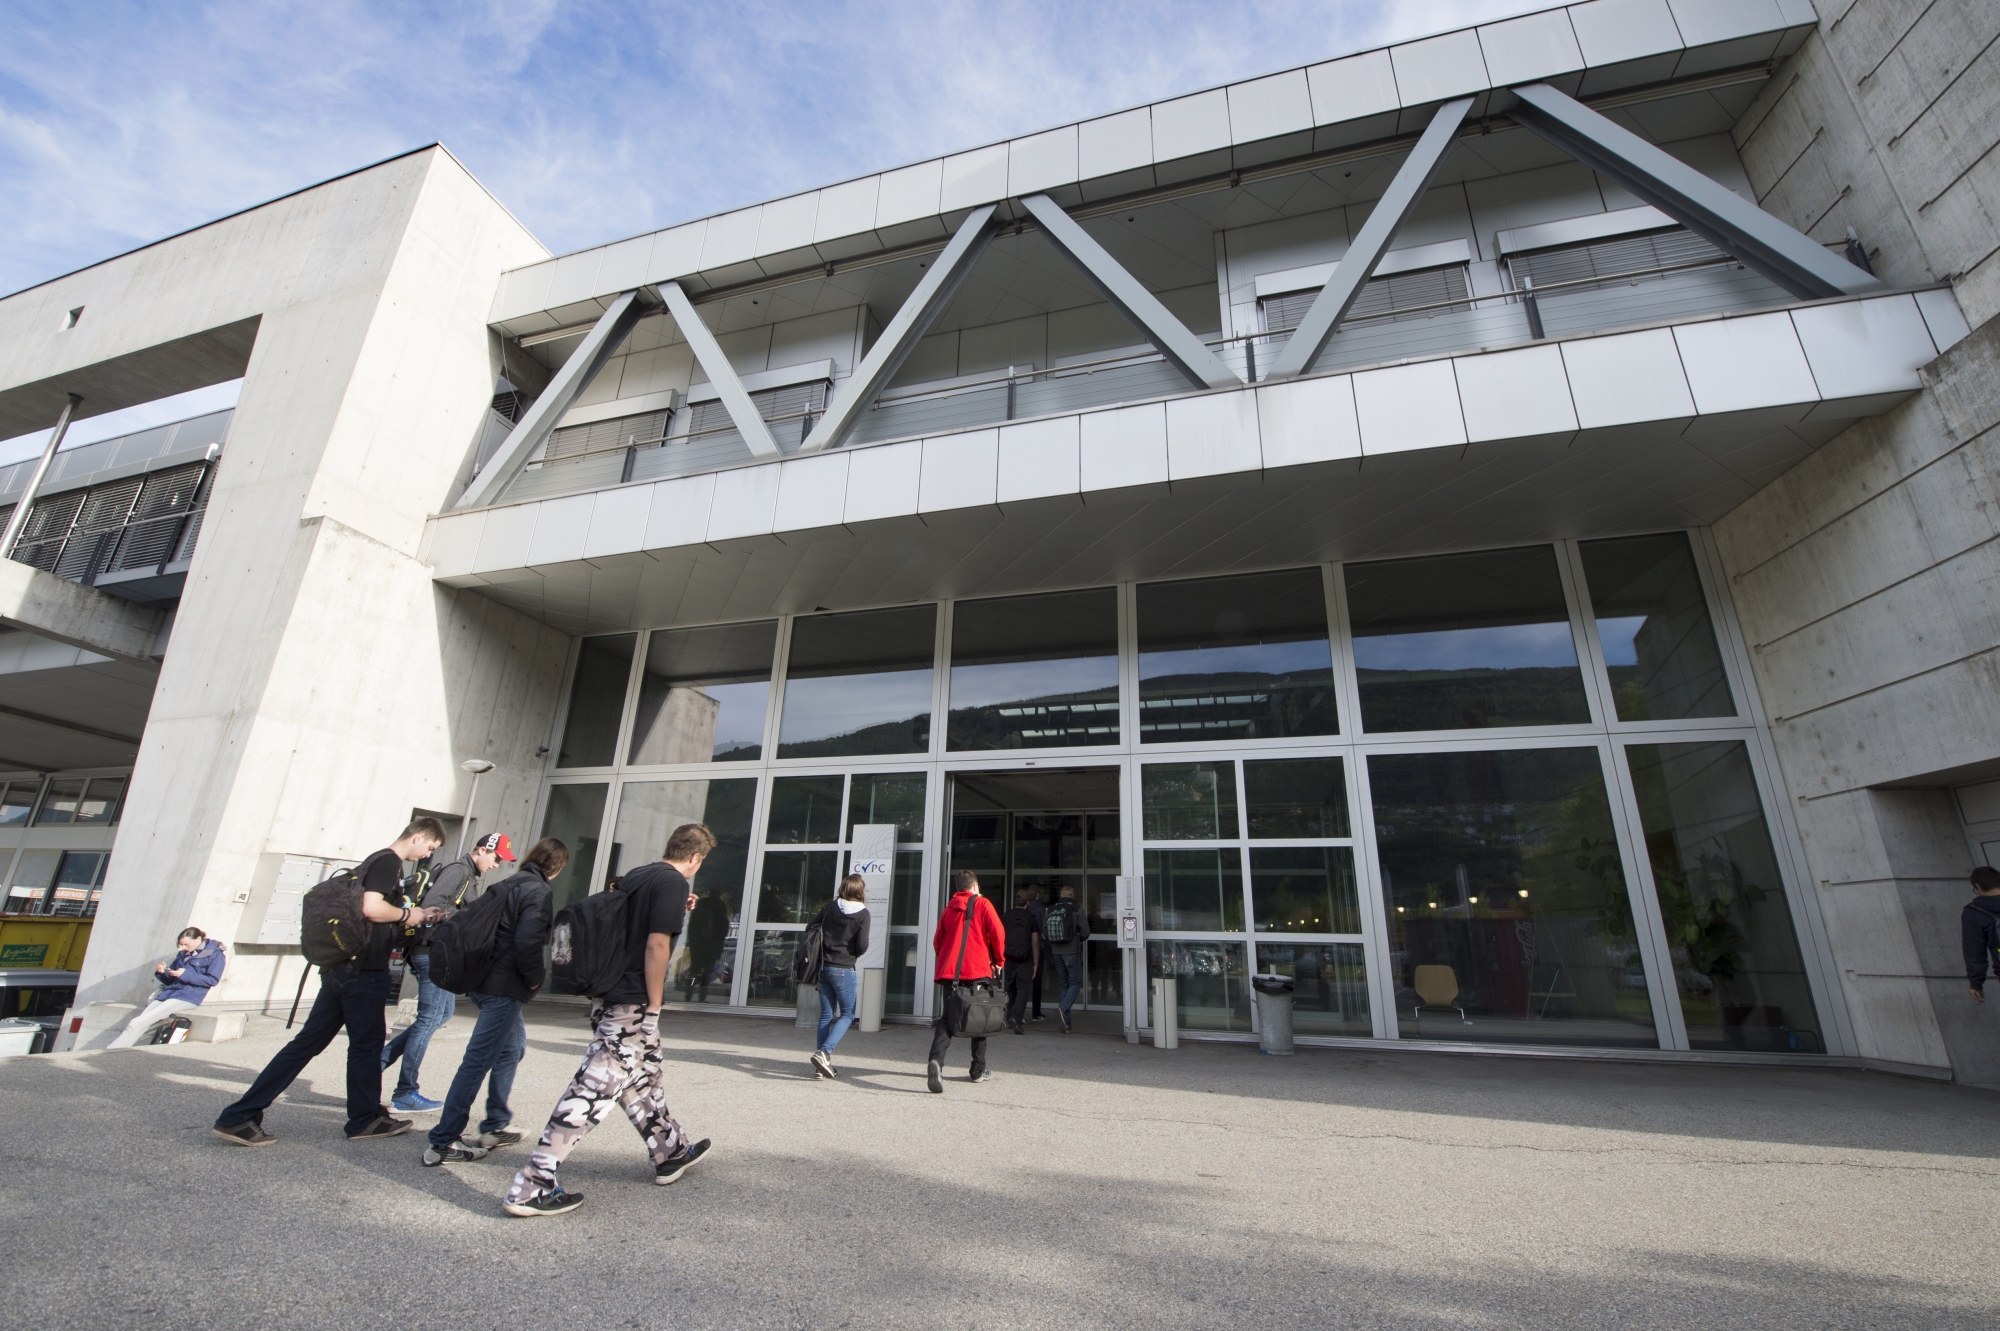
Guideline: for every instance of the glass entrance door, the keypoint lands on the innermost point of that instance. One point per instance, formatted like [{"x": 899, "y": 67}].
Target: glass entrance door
[{"x": 1045, "y": 833}]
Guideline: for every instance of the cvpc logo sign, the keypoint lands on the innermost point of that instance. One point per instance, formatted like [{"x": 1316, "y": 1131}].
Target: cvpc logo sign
[{"x": 866, "y": 867}]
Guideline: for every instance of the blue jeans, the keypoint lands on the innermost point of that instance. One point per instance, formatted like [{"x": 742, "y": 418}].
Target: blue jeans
[
  {"x": 499, "y": 1038},
  {"x": 434, "y": 1009},
  {"x": 1069, "y": 978},
  {"x": 347, "y": 997},
  {"x": 837, "y": 987}
]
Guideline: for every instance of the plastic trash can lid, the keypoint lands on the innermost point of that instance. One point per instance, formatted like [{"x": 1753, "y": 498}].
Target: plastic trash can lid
[{"x": 1273, "y": 984}]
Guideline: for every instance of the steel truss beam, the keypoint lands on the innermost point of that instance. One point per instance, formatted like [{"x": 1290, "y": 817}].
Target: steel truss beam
[
  {"x": 1356, "y": 266},
  {"x": 1183, "y": 350},
  {"x": 728, "y": 384},
  {"x": 1799, "y": 264},
  {"x": 539, "y": 421},
  {"x": 940, "y": 283}
]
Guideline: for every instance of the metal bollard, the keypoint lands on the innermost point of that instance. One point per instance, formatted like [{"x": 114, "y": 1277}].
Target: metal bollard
[{"x": 1166, "y": 1013}]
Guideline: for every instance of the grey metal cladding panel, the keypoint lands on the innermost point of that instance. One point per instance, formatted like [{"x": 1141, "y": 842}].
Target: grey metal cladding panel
[
  {"x": 725, "y": 449},
  {"x": 1679, "y": 296},
  {"x": 1386, "y": 341},
  {"x": 561, "y": 478},
  {"x": 1120, "y": 383},
  {"x": 943, "y": 415}
]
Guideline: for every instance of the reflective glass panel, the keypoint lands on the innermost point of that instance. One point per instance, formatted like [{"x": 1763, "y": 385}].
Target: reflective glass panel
[
  {"x": 1462, "y": 642},
  {"x": 575, "y": 817},
  {"x": 100, "y": 802},
  {"x": 900, "y": 992},
  {"x": 979, "y": 842},
  {"x": 707, "y": 957},
  {"x": 1509, "y": 919},
  {"x": 888, "y": 797},
  {"x": 648, "y": 813},
  {"x": 859, "y": 683},
  {"x": 78, "y": 883},
  {"x": 1189, "y": 801},
  {"x": 1235, "y": 658},
  {"x": 796, "y": 884},
  {"x": 1330, "y": 994},
  {"x": 1296, "y": 797},
  {"x": 1101, "y": 847},
  {"x": 1104, "y": 969},
  {"x": 1048, "y": 841},
  {"x": 906, "y": 888},
  {"x": 703, "y": 694},
  {"x": 1198, "y": 891},
  {"x": 1212, "y": 982},
  {"x": 1659, "y": 647},
  {"x": 17, "y": 802},
  {"x": 805, "y": 811},
  {"x": 1736, "y": 954},
  {"x": 1034, "y": 672},
  {"x": 1304, "y": 890},
  {"x": 60, "y": 805},
  {"x": 771, "y": 983},
  {"x": 597, "y": 701}
]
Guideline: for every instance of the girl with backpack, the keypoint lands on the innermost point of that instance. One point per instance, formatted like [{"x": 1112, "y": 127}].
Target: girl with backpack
[{"x": 843, "y": 926}]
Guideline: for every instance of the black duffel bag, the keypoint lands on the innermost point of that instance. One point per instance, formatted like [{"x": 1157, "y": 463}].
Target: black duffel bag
[{"x": 973, "y": 1008}]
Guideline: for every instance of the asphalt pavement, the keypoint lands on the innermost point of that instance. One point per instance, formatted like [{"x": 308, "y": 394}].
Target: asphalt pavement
[{"x": 1090, "y": 1184}]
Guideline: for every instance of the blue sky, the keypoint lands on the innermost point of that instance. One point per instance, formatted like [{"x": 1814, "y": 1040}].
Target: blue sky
[{"x": 121, "y": 123}]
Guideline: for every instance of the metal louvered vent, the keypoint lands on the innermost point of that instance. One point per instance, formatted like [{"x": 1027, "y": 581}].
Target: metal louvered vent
[
  {"x": 604, "y": 436},
  {"x": 773, "y": 404},
  {"x": 511, "y": 405},
  {"x": 1432, "y": 288},
  {"x": 138, "y": 523},
  {"x": 1626, "y": 258}
]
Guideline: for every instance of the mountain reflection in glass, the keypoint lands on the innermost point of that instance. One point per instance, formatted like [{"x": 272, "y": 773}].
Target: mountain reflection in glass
[
  {"x": 859, "y": 683},
  {"x": 1235, "y": 658},
  {"x": 1464, "y": 642},
  {"x": 703, "y": 694},
  {"x": 1034, "y": 672},
  {"x": 1659, "y": 647}
]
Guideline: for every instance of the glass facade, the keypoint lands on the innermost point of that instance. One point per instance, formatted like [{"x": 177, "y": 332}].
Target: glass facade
[{"x": 1493, "y": 797}]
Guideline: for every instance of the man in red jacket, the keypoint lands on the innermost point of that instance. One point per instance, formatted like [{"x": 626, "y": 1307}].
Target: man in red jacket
[{"x": 964, "y": 953}]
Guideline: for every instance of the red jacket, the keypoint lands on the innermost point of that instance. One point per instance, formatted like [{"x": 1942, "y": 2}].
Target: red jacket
[{"x": 983, "y": 950}]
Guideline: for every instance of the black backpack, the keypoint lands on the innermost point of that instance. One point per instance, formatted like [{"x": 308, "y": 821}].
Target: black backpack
[
  {"x": 812, "y": 951},
  {"x": 1020, "y": 923},
  {"x": 332, "y": 929},
  {"x": 1055, "y": 928},
  {"x": 462, "y": 944},
  {"x": 590, "y": 944}
]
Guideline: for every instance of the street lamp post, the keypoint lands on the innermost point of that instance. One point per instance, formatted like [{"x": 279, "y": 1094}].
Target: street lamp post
[{"x": 476, "y": 766}]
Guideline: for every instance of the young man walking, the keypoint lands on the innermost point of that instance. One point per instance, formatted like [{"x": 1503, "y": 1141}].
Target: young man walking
[
  {"x": 1979, "y": 928},
  {"x": 500, "y": 1037},
  {"x": 1065, "y": 929},
  {"x": 1024, "y": 956},
  {"x": 968, "y": 945},
  {"x": 451, "y": 887},
  {"x": 1041, "y": 914},
  {"x": 622, "y": 1065},
  {"x": 352, "y": 996}
]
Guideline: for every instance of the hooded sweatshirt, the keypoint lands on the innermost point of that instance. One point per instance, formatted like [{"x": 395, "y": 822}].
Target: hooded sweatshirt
[
  {"x": 199, "y": 969},
  {"x": 1980, "y": 925}
]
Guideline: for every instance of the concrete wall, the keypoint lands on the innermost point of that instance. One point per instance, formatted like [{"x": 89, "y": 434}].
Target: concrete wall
[
  {"x": 1864, "y": 580},
  {"x": 320, "y": 685},
  {"x": 1882, "y": 121}
]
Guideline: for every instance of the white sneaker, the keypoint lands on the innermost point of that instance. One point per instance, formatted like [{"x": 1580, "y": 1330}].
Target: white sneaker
[{"x": 822, "y": 1064}]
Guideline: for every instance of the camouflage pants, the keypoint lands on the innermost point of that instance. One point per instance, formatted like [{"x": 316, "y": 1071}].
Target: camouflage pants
[{"x": 621, "y": 1067}]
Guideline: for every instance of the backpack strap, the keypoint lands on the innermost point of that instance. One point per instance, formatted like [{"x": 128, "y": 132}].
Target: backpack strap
[{"x": 964, "y": 936}]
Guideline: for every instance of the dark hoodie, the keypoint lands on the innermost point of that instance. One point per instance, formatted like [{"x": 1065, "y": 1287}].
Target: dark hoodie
[{"x": 1980, "y": 925}]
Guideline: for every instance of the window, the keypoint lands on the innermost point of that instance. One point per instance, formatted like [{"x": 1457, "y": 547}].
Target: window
[
  {"x": 79, "y": 883},
  {"x": 1235, "y": 658},
  {"x": 575, "y": 817},
  {"x": 597, "y": 701},
  {"x": 607, "y": 436},
  {"x": 17, "y": 801},
  {"x": 1615, "y": 259},
  {"x": 859, "y": 683},
  {"x": 1433, "y": 289},
  {"x": 1463, "y": 642},
  {"x": 790, "y": 411},
  {"x": 60, "y": 805},
  {"x": 102, "y": 801},
  {"x": 1659, "y": 647},
  {"x": 1509, "y": 917},
  {"x": 648, "y": 813},
  {"x": 703, "y": 694},
  {"x": 1034, "y": 672}
]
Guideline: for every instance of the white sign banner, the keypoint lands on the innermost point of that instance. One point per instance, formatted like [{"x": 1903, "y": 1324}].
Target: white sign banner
[{"x": 874, "y": 858}]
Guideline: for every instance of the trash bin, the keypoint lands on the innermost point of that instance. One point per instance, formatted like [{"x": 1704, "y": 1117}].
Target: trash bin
[
  {"x": 1274, "y": 1012},
  {"x": 808, "y": 1007},
  {"x": 18, "y": 1036}
]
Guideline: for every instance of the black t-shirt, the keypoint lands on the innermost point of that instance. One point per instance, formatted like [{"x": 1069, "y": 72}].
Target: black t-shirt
[
  {"x": 381, "y": 872},
  {"x": 659, "y": 906}
]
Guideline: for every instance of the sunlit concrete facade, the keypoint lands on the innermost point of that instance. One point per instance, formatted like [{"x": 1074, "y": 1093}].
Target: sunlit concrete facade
[{"x": 1442, "y": 524}]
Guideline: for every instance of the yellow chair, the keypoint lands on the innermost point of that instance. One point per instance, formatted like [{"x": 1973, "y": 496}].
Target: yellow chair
[{"x": 1437, "y": 986}]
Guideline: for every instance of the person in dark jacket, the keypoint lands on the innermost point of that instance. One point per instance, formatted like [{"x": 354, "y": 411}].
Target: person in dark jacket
[
  {"x": 707, "y": 932},
  {"x": 451, "y": 887},
  {"x": 1023, "y": 932},
  {"x": 843, "y": 924},
  {"x": 1979, "y": 925},
  {"x": 968, "y": 945},
  {"x": 184, "y": 982},
  {"x": 500, "y": 1037}
]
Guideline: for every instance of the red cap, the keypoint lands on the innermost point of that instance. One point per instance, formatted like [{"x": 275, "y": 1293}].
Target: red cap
[{"x": 496, "y": 843}]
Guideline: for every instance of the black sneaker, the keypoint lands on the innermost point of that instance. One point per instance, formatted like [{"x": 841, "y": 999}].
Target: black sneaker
[
  {"x": 455, "y": 1154},
  {"x": 382, "y": 1127},
  {"x": 822, "y": 1064},
  {"x": 1019, "y": 1029},
  {"x": 934, "y": 1076},
  {"x": 984, "y": 1074},
  {"x": 680, "y": 1162},
  {"x": 553, "y": 1202},
  {"x": 493, "y": 1141},
  {"x": 244, "y": 1134},
  {"x": 1063, "y": 1017}
]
